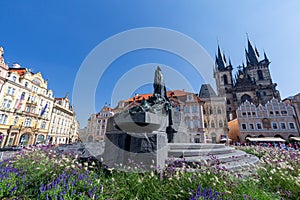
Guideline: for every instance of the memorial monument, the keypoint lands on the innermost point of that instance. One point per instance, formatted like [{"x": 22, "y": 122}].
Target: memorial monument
[{"x": 140, "y": 134}]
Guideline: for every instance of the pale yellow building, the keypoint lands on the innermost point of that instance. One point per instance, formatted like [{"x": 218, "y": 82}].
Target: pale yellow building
[
  {"x": 62, "y": 122},
  {"x": 25, "y": 108}
]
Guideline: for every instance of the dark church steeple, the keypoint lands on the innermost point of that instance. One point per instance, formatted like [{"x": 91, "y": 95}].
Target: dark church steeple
[
  {"x": 220, "y": 60},
  {"x": 251, "y": 55}
]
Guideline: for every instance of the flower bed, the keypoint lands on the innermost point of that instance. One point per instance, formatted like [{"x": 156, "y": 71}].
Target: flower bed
[{"x": 41, "y": 173}]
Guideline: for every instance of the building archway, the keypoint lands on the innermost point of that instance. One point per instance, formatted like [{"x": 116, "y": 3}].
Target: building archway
[
  {"x": 90, "y": 138},
  {"x": 279, "y": 136},
  {"x": 24, "y": 139},
  {"x": 214, "y": 137},
  {"x": 40, "y": 139}
]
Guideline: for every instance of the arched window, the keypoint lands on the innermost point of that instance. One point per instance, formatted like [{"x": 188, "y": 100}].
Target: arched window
[
  {"x": 228, "y": 101},
  {"x": 246, "y": 97},
  {"x": 212, "y": 124},
  {"x": 220, "y": 124},
  {"x": 205, "y": 124},
  {"x": 211, "y": 111},
  {"x": 219, "y": 111},
  {"x": 225, "y": 79},
  {"x": 260, "y": 75}
]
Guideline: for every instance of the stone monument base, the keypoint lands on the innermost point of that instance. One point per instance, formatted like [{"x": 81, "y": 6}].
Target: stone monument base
[{"x": 135, "y": 151}]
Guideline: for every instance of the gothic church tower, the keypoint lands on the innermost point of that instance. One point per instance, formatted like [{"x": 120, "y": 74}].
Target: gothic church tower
[{"x": 224, "y": 81}]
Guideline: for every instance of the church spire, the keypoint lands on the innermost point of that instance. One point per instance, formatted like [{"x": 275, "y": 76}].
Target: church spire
[
  {"x": 252, "y": 54},
  {"x": 220, "y": 60}
]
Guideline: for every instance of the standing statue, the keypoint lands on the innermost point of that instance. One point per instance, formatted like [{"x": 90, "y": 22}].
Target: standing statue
[
  {"x": 159, "y": 85},
  {"x": 1, "y": 55}
]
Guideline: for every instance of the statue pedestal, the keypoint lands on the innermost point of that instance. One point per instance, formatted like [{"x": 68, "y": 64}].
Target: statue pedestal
[{"x": 135, "y": 151}]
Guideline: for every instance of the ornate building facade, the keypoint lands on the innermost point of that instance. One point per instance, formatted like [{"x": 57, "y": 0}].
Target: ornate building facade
[
  {"x": 96, "y": 127},
  {"x": 26, "y": 107},
  {"x": 214, "y": 114},
  {"x": 62, "y": 122},
  {"x": 274, "y": 119},
  {"x": 252, "y": 81}
]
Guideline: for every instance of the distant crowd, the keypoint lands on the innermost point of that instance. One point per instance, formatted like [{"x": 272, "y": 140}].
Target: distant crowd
[{"x": 282, "y": 145}]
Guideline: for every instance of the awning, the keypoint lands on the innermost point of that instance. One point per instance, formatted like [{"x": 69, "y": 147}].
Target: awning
[
  {"x": 225, "y": 139},
  {"x": 295, "y": 138},
  {"x": 265, "y": 139}
]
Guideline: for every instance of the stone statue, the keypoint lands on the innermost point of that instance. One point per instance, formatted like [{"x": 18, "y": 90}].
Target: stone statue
[{"x": 1, "y": 55}]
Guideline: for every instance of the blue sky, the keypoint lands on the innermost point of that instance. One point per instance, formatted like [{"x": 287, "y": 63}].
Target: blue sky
[{"x": 55, "y": 37}]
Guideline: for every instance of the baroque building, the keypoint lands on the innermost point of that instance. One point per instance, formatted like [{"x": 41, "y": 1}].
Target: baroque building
[
  {"x": 26, "y": 109},
  {"x": 251, "y": 82}
]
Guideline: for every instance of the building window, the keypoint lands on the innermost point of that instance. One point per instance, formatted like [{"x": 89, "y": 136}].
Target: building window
[
  {"x": 225, "y": 79},
  {"x": 43, "y": 125},
  {"x": 212, "y": 124},
  {"x": 26, "y": 84},
  {"x": 292, "y": 125},
  {"x": 260, "y": 75},
  {"x": 196, "y": 124},
  {"x": 4, "y": 103},
  {"x": 8, "y": 90},
  {"x": 244, "y": 127},
  {"x": 274, "y": 126},
  {"x": 186, "y": 109},
  {"x": 282, "y": 126},
  {"x": 211, "y": 111},
  {"x": 14, "y": 78},
  {"x": 3, "y": 119},
  {"x": 27, "y": 122},
  {"x": 16, "y": 120},
  {"x": 251, "y": 126},
  {"x": 259, "y": 127},
  {"x": 8, "y": 103},
  {"x": 187, "y": 123},
  {"x": 205, "y": 124},
  {"x": 228, "y": 101},
  {"x": 283, "y": 112},
  {"x": 194, "y": 109},
  {"x": 27, "y": 109},
  {"x": 204, "y": 112},
  {"x": 220, "y": 124}
]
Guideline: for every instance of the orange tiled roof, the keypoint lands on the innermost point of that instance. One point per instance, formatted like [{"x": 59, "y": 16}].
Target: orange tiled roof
[
  {"x": 20, "y": 71},
  {"x": 171, "y": 93}
]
